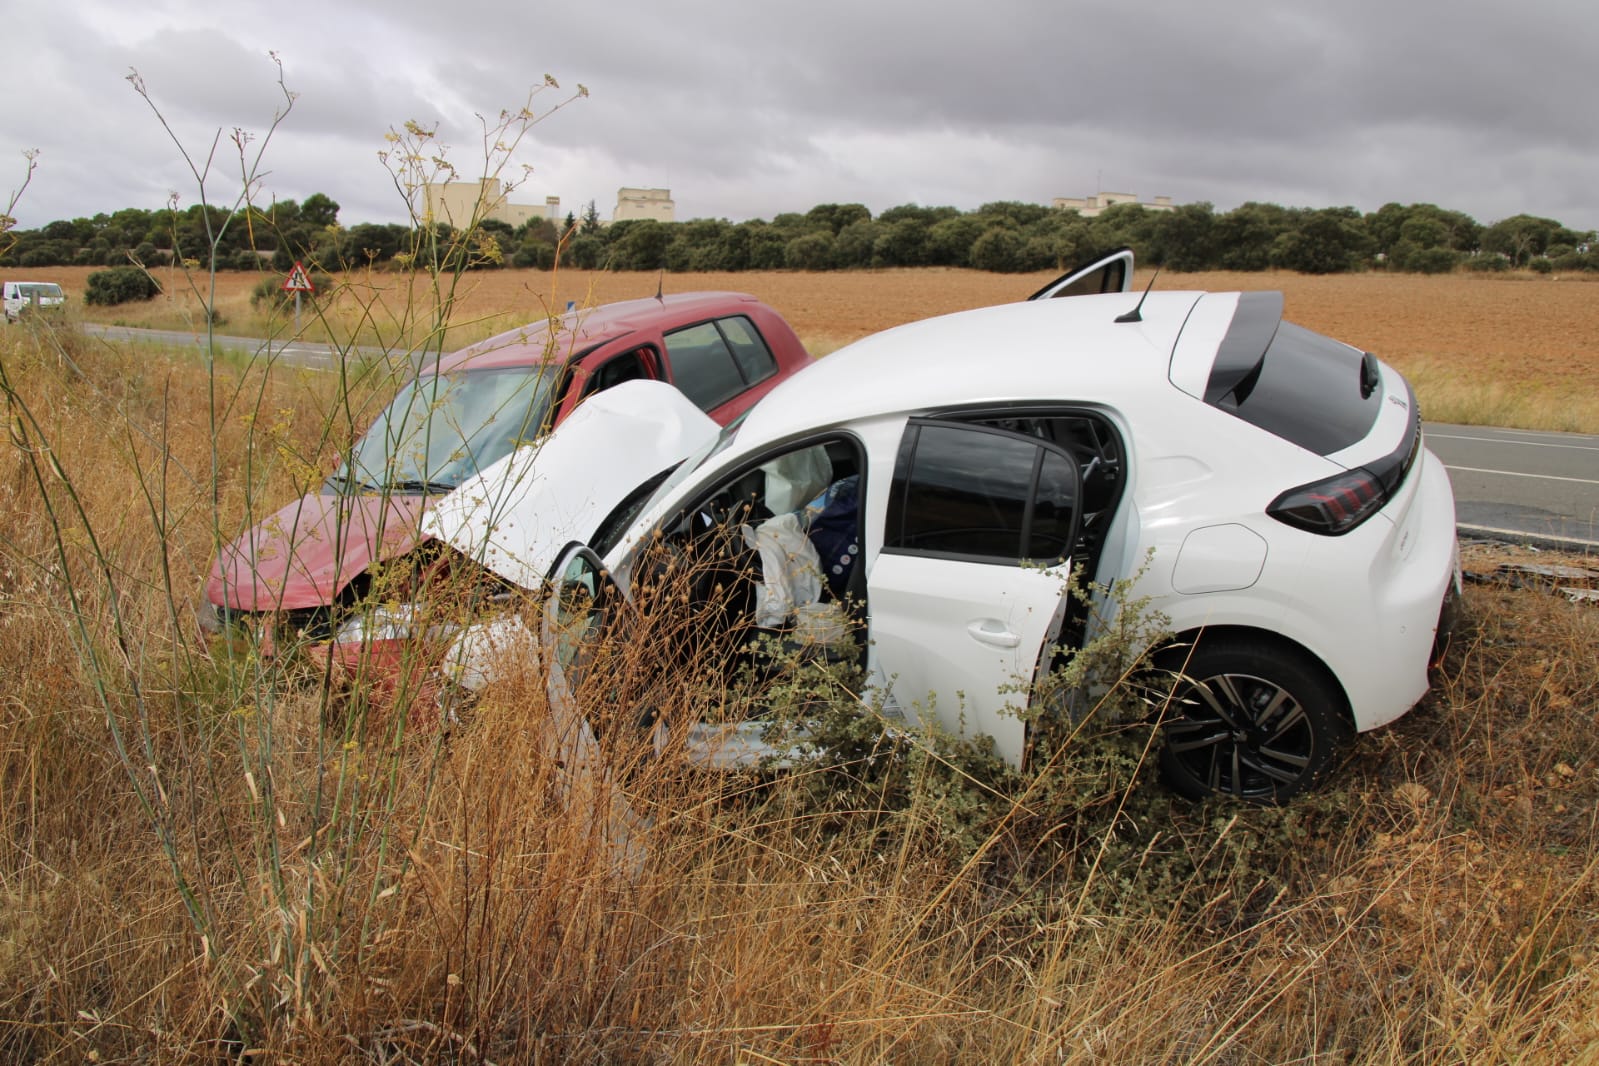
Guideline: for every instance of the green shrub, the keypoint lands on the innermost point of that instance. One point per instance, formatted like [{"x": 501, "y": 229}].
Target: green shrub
[
  {"x": 535, "y": 254},
  {"x": 998, "y": 250},
  {"x": 1540, "y": 265},
  {"x": 1488, "y": 262},
  {"x": 245, "y": 259},
  {"x": 1432, "y": 260},
  {"x": 120, "y": 285}
]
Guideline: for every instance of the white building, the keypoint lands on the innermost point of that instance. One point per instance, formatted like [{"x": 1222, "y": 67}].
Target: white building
[
  {"x": 458, "y": 203},
  {"x": 1089, "y": 206},
  {"x": 644, "y": 203}
]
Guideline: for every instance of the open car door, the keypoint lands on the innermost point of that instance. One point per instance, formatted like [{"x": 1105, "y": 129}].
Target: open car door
[
  {"x": 581, "y": 606},
  {"x": 596, "y": 725},
  {"x": 1111, "y": 273},
  {"x": 970, "y": 585}
]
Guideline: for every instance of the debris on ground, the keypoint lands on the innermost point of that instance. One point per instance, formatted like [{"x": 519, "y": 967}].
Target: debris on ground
[{"x": 1578, "y": 583}]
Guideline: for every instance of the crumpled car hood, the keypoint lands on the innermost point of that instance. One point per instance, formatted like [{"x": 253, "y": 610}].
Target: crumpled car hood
[
  {"x": 303, "y": 555},
  {"x": 518, "y": 515}
]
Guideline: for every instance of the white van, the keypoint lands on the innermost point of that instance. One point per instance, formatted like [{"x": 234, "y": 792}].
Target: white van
[{"x": 21, "y": 296}]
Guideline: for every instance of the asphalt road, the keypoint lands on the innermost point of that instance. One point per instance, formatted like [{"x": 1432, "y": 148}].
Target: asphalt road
[
  {"x": 312, "y": 354},
  {"x": 1509, "y": 483},
  {"x": 1519, "y": 483}
]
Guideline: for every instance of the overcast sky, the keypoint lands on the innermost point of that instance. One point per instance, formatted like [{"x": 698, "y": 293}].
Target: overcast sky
[{"x": 748, "y": 109}]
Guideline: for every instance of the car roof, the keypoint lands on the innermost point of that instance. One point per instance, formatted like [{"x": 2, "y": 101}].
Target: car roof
[
  {"x": 562, "y": 337},
  {"x": 1069, "y": 348}
]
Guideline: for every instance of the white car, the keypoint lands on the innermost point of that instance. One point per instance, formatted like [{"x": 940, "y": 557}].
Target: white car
[
  {"x": 935, "y": 484},
  {"x": 21, "y": 297}
]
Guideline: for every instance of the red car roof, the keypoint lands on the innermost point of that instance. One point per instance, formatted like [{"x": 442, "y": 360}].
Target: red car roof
[{"x": 576, "y": 332}]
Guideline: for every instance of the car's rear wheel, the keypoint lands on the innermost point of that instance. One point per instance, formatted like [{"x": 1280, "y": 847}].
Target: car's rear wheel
[{"x": 1260, "y": 722}]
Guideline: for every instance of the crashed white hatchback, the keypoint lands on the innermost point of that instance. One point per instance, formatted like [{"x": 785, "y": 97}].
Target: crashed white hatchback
[{"x": 935, "y": 485}]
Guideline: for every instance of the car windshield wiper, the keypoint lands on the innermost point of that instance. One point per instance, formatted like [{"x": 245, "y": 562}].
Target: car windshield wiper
[
  {"x": 350, "y": 483},
  {"x": 426, "y": 488}
]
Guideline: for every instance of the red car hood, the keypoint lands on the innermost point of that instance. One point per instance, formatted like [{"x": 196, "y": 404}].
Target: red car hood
[{"x": 304, "y": 554}]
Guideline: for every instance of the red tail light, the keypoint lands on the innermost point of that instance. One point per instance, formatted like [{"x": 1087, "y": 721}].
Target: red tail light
[{"x": 1332, "y": 506}]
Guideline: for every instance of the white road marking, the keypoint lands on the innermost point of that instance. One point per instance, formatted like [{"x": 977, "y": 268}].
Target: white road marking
[
  {"x": 1512, "y": 534},
  {"x": 1507, "y": 440},
  {"x": 1517, "y": 473}
]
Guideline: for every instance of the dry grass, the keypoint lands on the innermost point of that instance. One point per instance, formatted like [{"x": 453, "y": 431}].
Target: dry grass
[
  {"x": 202, "y": 855},
  {"x": 1484, "y": 350}
]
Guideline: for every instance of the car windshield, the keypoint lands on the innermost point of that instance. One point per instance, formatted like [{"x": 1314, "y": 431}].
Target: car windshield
[
  {"x": 443, "y": 428},
  {"x": 43, "y": 289}
]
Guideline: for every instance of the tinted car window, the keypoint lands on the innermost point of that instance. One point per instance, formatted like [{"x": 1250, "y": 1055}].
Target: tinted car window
[
  {"x": 1305, "y": 388},
  {"x": 974, "y": 492},
  {"x": 749, "y": 348},
  {"x": 715, "y": 361},
  {"x": 1054, "y": 507}
]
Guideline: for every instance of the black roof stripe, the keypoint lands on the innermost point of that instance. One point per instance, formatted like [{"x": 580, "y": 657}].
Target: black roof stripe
[{"x": 1253, "y": 327}]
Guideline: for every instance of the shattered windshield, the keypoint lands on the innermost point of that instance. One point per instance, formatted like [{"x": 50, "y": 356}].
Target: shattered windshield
[{"x": 443, "y": 428}]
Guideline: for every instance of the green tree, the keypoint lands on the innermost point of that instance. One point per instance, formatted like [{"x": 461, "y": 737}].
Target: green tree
[
  {"x": 852, "y": 249},
  {"x": 533, "y": 253},
  {"x": 998, "y": 249},
  {"x": 1433, "y": 260},
  {"x": 1245, "y": 235},
  {"x": 1187, "y": 237},
  {"x": 319, "y": 210},
  {"x": 591, "y": 219},
  {"x": 587, "y": 251},
  {"x": 903, "y": 242},
  {"x": 768, "y": 245},
  {"x": 1015, "y": 212},
  {"x": 639, "y": 244},
  {"x": 369, "y": 242},
  {"x": 810, "y": 251},
  {"x": 836, "y": 216},
  {"x": 1328, "y": 241},
  {"x": 119, "y": 285},
  {"x": 696, "y": 245},
  {"x": 733, "y": 250},
  {"x": 1127, "y": 226},
  {"x": 950, "y": 240},
  {"x": 1521, "y": 237}
]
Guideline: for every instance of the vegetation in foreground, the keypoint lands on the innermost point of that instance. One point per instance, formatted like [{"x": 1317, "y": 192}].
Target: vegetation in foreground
[{"x": 204, "y": 853}]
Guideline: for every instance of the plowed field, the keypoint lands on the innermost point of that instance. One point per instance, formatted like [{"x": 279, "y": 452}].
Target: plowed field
[{"x": 1518, "y": 350}]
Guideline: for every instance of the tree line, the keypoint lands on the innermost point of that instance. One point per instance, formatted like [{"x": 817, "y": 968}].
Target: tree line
[{"x": 1004, "y": 236}]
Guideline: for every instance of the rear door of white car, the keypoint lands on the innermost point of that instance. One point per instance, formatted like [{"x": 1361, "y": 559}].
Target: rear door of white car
[{"x": 969, "y": 585}]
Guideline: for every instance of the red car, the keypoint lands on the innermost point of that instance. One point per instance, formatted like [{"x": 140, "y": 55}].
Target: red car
[{"x": 300, "y": 569}]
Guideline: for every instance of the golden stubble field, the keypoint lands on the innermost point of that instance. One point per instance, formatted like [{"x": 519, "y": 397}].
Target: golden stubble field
[{"x": 1510, "y": 350}]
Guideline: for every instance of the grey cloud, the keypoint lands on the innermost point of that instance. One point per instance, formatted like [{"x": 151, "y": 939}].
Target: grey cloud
[{"x": 752, "y": 109}]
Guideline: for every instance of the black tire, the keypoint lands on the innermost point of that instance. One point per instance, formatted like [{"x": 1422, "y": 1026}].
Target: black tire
[{"x": 1250, "y": 719}]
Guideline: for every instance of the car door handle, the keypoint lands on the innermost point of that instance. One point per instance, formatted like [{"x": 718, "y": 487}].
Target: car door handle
[{"x": 993, "y": 631}]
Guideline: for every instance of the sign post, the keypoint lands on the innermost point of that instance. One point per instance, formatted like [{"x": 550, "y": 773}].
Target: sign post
[{"x": 298, "y": 282}]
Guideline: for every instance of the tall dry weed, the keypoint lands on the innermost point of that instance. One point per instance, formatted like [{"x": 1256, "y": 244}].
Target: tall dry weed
[{"x": 207, "y": 854}]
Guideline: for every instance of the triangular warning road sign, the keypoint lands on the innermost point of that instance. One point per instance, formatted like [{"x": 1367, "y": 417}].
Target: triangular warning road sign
[{"x": 298, "y": 280}]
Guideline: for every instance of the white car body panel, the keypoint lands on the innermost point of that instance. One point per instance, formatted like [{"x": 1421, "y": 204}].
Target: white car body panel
[
  {"x": 517, "y": 515},
  {"x": 958, "y": 642}
]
